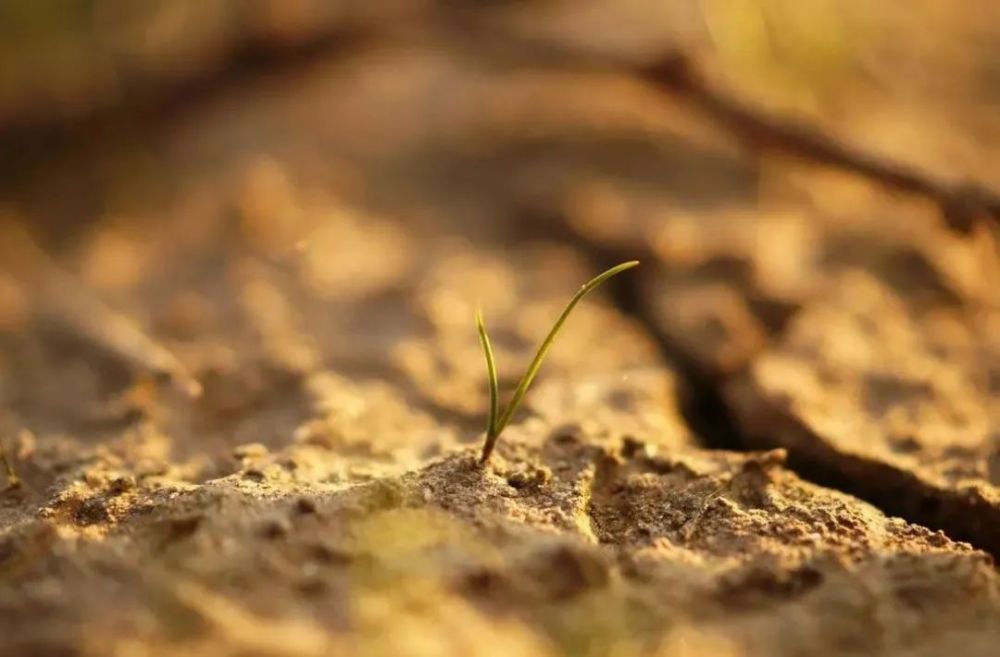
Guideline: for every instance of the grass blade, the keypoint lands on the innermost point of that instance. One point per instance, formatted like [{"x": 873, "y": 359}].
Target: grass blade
[
  {"x": 491, "y": 370},
  {"x": 536, "y": 364}
]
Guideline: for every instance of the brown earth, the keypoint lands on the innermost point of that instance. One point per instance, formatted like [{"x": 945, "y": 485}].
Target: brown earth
[{"x": 242, "y": 390}]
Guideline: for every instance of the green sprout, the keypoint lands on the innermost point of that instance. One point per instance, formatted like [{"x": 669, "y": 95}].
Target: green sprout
[{"x": 499, "y": 420}]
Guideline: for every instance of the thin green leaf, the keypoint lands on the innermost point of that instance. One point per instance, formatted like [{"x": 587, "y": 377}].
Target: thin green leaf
[
  {"x": 491, "y": 369},
  {"x": 536, "y": 364}
]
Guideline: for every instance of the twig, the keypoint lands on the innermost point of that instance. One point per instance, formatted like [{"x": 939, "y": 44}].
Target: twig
[{"x": 961, "y": 204}]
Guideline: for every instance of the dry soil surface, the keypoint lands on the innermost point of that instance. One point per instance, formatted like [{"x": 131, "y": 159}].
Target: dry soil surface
[{"x": 242, "y": 389}]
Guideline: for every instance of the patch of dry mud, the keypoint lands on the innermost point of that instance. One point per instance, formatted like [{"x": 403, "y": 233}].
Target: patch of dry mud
[
  {"x": 561, "y": 546},
  {"x": 901, "y": 403}
]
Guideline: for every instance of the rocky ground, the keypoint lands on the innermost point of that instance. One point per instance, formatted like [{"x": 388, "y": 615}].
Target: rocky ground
[{"x": 242, "y": 391}]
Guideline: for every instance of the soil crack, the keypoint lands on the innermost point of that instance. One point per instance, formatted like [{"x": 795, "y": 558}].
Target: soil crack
[{"x": 712, "y": 419}]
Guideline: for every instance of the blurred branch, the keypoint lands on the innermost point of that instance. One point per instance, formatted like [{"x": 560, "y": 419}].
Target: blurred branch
[{"x": 961, "y": 204}]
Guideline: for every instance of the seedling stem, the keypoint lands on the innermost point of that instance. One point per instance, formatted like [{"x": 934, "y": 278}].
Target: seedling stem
[{"x": 497, "y": 420}]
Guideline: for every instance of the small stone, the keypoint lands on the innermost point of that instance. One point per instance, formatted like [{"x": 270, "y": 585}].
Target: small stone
[
  {"x": 518, "y": 480},
  {"x": 529, "y": 478}
]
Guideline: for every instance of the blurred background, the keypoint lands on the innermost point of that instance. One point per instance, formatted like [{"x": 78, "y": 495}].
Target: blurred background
[
  {"x": 182, "y": 182},
  {"x": 124, "y": 86}
]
